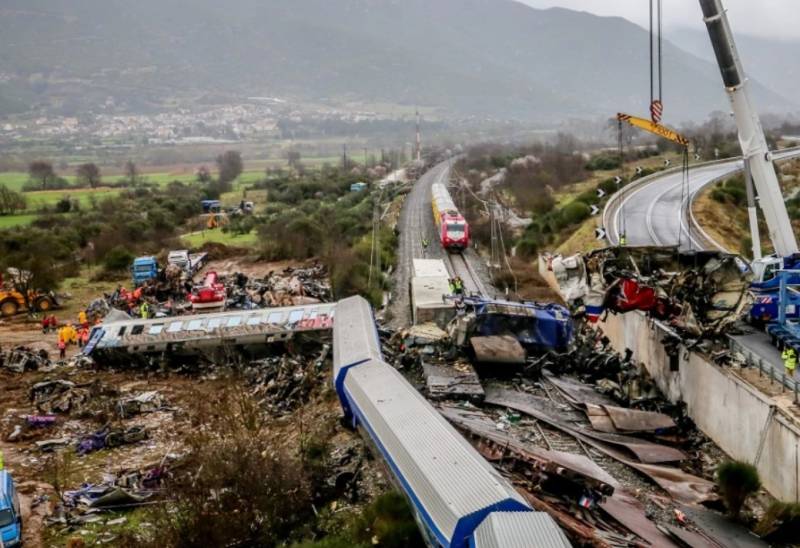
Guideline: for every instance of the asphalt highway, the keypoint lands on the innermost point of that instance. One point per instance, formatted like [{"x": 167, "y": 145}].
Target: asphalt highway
[{"x": 657, "y": 212}]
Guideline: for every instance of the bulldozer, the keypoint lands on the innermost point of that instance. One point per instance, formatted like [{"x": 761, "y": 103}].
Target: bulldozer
[{"x": 13, "y": 302}]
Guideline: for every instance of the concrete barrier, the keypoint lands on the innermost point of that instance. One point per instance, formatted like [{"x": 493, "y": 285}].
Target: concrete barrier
[{"x": 741, "y": 420}]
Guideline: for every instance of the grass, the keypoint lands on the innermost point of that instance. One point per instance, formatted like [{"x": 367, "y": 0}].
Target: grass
[
  {"x": 197, "y": 239},
  {"x": 44, "y": 198},
  {"x": 10, "y": 221},
  {"x": 98, "y": 534},
  {"x": 82, "y": 291}
]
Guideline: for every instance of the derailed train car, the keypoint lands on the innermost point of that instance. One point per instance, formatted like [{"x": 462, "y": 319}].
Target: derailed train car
[
  {"x": 700, "y": 293},
  {"x": 451, "y": 226},
  {"x": 458, "y": 498}
]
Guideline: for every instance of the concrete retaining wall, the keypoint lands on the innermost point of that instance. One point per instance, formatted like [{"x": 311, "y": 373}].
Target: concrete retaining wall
[{"x": 745, "y": 423}]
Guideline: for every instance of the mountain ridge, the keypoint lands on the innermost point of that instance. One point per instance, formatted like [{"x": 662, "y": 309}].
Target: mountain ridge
[{"x": 485, "y": 58}]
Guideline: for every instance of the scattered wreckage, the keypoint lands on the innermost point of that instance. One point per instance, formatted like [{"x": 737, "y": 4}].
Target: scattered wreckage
[{"x": 700, "y": 294}]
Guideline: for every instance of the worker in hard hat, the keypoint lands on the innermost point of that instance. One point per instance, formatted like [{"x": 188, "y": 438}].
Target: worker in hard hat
[
  {"x": 622, "y": 240},
  {"x": 789, "y": 357},
  {"x": 83, "y": 320}
]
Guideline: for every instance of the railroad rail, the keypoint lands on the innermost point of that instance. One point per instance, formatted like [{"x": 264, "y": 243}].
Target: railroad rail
[{"x": 458, "y": 265}]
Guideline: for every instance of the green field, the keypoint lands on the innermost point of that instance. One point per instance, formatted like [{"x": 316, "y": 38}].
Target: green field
[
  {"x": 40, "y": 199},
  {"x": 197, "y": 239},
  {"x": 9, "y": 221}
]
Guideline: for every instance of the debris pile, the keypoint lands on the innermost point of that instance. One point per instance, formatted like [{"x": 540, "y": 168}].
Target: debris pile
[
  {"x": 290, "y": 287},
  {"x": 174, "y": 295},
  {"x": 700, "y": 294},
  {"x": 110, "y": 437},
  {"x": 66, "y": 397},
  {"x": 282, "y": 384},
  {"x": 22, "y": 359},
  {"x": 124, "y": 490}
]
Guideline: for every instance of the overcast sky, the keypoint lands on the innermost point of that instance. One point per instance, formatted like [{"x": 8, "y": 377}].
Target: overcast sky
[{"x": 770, "y": 18}]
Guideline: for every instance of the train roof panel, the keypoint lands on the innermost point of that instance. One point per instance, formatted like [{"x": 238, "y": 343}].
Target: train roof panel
[
  {"x": 520, "y": 530},
  {"x": 355, "y": 339},
  {"x": 451, "y": 480}
]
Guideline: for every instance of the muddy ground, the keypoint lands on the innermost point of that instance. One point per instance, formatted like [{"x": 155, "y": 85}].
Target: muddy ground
[{"x": 167, "y": 428}]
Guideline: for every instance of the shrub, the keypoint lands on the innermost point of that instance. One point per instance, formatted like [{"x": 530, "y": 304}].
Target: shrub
[
  {"x": 737, "y": 480},
  {"x": 118, "y": 259},
  {"x": 603, "y": 162},
  {"x": 780, "y": 523},
  {"x": 527, "y": 248},
  {"x": 575, "y": 212}
]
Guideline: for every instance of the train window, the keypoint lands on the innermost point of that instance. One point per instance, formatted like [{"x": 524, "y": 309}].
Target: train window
[
  {"x": 254, "y": 320},
  {"x": 137, "y": 330},
  {"x": 275, "y": 318},
  {"x": 214, "y": 323},
  {"x": 195, "y": 325},
  {"x": 295, "y": 316},
  {"x": 234, "y": 321},
  {"x": 121, "y": 331},
  {"x": 156, "y": 329},
  {"x": 174, "y": 327}
]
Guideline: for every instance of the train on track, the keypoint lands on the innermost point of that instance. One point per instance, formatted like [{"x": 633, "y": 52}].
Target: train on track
[
  {"x": 458, "y": 498},
  {"x": 451, "y": 226}
]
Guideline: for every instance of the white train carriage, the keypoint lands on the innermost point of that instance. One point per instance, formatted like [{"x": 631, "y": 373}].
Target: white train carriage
[{"x": 451, "y": 488}]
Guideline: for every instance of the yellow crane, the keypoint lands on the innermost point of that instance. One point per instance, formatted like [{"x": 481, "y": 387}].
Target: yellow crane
[{"x": 654, "y": 128}]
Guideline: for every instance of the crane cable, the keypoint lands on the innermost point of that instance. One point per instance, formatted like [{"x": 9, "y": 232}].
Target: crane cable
[
  {"x": 656, "y": 57},
  {"x": 622, "y": 236}
]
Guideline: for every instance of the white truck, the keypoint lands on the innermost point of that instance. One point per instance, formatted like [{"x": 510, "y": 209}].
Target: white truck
[{"x": 191, "y": 263}]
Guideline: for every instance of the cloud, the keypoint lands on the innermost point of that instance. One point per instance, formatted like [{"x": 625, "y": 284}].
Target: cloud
[{"x": 772, "y": 19}]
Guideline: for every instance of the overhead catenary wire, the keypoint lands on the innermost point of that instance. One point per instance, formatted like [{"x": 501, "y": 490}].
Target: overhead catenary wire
[{"x": 497, "y": 242}]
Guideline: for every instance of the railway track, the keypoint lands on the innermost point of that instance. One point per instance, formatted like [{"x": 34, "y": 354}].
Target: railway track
[{"x": 458, "y": 265}]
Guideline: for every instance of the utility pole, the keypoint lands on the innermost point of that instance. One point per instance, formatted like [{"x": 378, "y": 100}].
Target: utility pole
[
  {"x": 419, "y": 140},
  {"x": 344, "y": 156},
  {"x": 751, "y": 134},
  {"x": 365, "y": 157}
]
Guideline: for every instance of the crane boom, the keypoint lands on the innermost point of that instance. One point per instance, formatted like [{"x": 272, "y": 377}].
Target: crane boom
[
  {"x": 652, "y": 127},
  {"x": 751, "y": 134}
]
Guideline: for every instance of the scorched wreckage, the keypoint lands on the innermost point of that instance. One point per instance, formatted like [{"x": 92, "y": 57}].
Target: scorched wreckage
[{"x": 698, "y": 293}]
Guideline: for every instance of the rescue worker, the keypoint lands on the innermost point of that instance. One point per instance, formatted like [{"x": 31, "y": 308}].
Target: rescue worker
[
  {"x": 46, "y": 325},
  {"x": 144, "y": 310},
  {"x": 82, "y": 319},
  {"x": 2, "y": 462},
  {"x": 459, "y": 285},
  {"x": 452, "y": 283},
  {"x": 62, "y": 349},
  {"x": 622, "y": 240},
  {"x": 789, "y": 356},
  {"x": 84, "y": 337}
]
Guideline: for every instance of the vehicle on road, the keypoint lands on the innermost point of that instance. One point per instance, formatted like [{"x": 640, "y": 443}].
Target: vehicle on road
[
  {"x": 10, "y": 515},
  {"x": 452, "y": 228}
]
